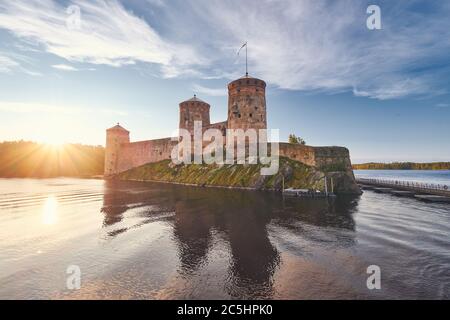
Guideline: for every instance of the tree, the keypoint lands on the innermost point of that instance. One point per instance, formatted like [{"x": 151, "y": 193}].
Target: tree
[{"x": 296, "y": 140}]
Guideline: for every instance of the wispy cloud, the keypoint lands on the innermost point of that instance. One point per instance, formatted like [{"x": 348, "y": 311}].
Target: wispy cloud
[
  {"x": 64, "y": 67},
  {"x": 108, "y": 34},
  {"x": 213, "y": 92},
  {"x": 12, "y": 62},
  {"x": 322, "y": 45},
  {"x": 295, "y": 45},
  {"x": 7, "y": 65}
]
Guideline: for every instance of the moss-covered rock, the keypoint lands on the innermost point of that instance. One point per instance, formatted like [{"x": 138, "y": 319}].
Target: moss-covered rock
[{"x": 295, "y": 175}]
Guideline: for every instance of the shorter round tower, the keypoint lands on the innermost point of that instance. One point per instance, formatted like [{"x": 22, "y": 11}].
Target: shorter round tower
[
  {"x": 115, "y": 137},
  {"x": 194, "y": 110},
  {"x": 247, "y": 104}
]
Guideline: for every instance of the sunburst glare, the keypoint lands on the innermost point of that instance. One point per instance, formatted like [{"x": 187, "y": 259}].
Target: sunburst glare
[{"x": 50, "y": 211}]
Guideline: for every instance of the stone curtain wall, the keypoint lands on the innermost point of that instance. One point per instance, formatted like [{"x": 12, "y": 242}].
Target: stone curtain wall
[
  {"x": 222, "y": 126},
  {"x": 139, "y": 153},
  {"x": 327, "y": 158},
  {"x": 136, "y": 154},
  {"x": 298, "y": 152}
]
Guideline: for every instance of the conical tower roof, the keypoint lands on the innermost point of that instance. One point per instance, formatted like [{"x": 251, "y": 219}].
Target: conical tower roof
[
  {"x": 195, "y": 99},
  {"x": 118, "y": 127}
]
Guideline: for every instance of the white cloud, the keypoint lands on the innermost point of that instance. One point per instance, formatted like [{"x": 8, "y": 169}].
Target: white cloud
[
  {"x": 295, "y": 45},
  {"x": 108, "y": 34},
  {"x": 213, "y": 92},
  {"x": 64, "y": 67},
  {"x": 321, "y": 45}
]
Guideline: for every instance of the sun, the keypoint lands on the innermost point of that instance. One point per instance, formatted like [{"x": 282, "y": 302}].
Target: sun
[
  {"x": 54, "y": 142},
  {"x": 55, "y": 145}
]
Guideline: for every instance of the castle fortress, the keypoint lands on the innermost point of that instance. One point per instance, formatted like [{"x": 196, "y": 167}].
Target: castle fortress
[{"x": 246, "y": 110}]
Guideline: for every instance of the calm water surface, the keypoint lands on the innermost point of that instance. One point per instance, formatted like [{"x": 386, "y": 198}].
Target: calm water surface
[{"x": 157, "y": 241}]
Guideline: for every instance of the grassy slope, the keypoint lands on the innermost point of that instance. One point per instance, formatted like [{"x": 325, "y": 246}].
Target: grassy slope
[{"x": 297, "y": 175}]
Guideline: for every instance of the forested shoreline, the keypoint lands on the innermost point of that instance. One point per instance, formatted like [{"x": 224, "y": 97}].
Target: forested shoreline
[
  {"x": 24, "y": 159},
  {"x": 403, "y": 166}
]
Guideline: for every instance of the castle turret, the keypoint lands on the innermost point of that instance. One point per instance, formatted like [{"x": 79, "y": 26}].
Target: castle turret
[
  {"x": 194, "y": 110},
  {"x": 247, "y": 104},
  {"x": 115, "y": 137}
]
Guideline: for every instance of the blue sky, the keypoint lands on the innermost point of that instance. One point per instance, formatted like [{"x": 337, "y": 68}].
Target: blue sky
[{"x": 384, "y": 94}]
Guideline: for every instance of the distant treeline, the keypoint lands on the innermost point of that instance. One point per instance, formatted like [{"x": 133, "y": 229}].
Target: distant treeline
[
  {"x": 24, "y": 159},
  {"x": 403, "y": 166}
]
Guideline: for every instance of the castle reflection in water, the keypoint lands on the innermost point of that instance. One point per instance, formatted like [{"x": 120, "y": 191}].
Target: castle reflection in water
[{"x": 240, "y": 219}]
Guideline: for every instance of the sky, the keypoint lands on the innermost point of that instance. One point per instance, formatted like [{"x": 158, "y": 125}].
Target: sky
[{"x": 71, "y": 69}]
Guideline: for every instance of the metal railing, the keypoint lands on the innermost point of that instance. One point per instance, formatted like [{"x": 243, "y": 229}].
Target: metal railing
[{"x": 405, "y": 184}]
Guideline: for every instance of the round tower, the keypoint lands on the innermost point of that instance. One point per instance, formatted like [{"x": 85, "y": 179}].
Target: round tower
[
  {"x": 194, "y": 110},
  {"x": 115, "y": 137},
  {"x": 247, "y": 104}
]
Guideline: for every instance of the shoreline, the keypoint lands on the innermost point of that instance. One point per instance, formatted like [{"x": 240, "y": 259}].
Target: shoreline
[
  {"x": 393, "y": 169},
  {"x": 197, "y": 185}
]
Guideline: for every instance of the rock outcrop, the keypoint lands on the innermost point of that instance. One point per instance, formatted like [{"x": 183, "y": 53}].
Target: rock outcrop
[{"x": 293, "y": 174}]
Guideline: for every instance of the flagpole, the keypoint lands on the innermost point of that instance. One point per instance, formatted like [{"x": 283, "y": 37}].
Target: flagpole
[{"x": 246, "y": 59}]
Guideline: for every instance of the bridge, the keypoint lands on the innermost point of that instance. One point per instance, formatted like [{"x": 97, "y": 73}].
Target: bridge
[{"x": 422, "y": 191}]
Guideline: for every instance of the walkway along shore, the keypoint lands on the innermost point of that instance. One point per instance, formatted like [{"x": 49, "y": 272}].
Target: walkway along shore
[{"x": 421, "y": 191}]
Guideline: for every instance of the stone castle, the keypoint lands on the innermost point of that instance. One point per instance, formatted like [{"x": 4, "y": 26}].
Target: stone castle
[{"x": 246, "y": 110}]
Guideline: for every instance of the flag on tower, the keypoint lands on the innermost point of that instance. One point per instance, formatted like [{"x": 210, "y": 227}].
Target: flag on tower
[{"x": 243, "y": 46}]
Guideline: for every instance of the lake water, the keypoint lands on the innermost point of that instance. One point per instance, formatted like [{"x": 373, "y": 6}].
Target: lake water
[
  {"x": 425, "y": 176},
  {"x": 136, "y": 240}
]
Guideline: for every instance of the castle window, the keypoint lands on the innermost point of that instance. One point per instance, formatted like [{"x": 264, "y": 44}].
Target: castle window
[
  {"x": 239, "y": 115},
  {"x": 251, "y": 115}
]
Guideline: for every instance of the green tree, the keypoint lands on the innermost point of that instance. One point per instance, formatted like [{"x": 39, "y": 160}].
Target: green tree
[{"x": 296, "y": 140}]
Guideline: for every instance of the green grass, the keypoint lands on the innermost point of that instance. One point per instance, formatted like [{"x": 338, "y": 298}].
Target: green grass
[{"x": 297, "y": 175}]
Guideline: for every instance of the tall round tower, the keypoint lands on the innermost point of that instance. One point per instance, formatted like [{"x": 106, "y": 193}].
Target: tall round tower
[
  {"x": 194, "y": 110},
  {"x": 247, "y": 104},
  {"x": 115, "y": 137}
]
